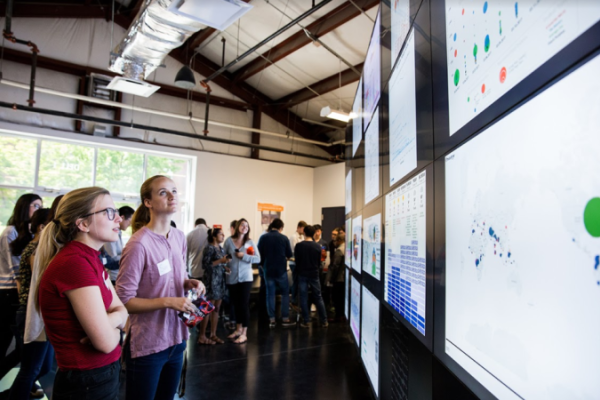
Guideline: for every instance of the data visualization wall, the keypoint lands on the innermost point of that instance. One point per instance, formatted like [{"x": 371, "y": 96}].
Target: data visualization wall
[
  {"x": 372, "y": 74},
  {"x": 405, "y": 248},
  {"x": 349, "y": 192},
  {"x": 357, "y": 129},
  {"x": 349, "y": 246},
  {"x": 403, "y": 115},
  {"x": 369, "y": 349},
  {"x": 372, "y": 246},
  {"x": 347, "y": 289},
  {"x": 357, "y": 243},
  {"x": 400, "y": 25},
  {"x": 372, "y": 159},
  {"x": 523, "y": 244},
  {"x": 493, "y": 45},
  {"x": 355, "y": 290}
]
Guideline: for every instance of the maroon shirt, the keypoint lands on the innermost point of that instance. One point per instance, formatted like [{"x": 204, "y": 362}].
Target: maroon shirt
[{"x": 75, "y": 266}]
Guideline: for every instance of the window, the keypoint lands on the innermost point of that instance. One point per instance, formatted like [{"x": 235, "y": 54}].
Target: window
[{"x": 53, "y": 167}]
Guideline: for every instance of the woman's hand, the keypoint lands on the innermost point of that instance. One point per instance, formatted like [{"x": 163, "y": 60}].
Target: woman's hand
[
  {"x": 227, "y": 270},
  {"x": 190, "y": 284},
  {"x": 239, "y": 255},
  {"x": 182, "y": 304},
  {"x": 223, "y": 260}
]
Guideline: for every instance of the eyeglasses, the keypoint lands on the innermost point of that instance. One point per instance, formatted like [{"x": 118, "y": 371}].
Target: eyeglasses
[{"x": 110, "y": 213}]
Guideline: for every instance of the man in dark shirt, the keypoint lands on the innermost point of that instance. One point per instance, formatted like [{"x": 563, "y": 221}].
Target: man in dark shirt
[
  {"x": 275, "y": 249},
  {"x": 308, "y": 263}
]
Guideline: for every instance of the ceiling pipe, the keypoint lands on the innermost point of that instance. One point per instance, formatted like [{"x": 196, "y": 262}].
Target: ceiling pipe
[
  {"x": 267, "y": 40},
  {"x": 9, "y": 35},
  {"x": 163, "y": 113},
  {"x": 106, "y": 121}
]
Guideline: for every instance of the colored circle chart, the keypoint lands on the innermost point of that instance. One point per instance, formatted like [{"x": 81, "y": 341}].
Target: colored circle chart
[
  {"x": 591, "y": 217},
  {"x": 486, "y": 44},
  {"x": 502, "y": 74},
  {"x": 456, "y": 77}
]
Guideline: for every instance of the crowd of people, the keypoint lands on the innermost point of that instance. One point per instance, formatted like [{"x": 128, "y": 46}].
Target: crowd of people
[{"x": 70, "y": 290}]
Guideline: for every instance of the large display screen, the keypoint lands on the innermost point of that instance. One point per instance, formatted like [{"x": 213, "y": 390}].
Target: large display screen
[
  {"x": 400, "y": 10},
  {"x": 492, "y": 45},
  {"x": 372, "y": 74},
  {"x": 403, "y": 114},
  {"x": 355, "y": 309},
  {"x": 372, "y": 246},
  {"x": 348, "y": 250},
  {"x": 372, "y": 159},
  {"x": 405, "y": 249},
  {"x": 523, "y": 238},
  {"x": 357, "y": 129},
  {"x": 357, "y": 243},
  {"x": 347, "y": 286},
  {"x": 369, "y": 349},
  {"x": 349, "y": 192}
]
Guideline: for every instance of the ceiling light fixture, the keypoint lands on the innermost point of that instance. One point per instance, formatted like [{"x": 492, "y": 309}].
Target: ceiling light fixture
[
  {"x": 335, "y": 114},
  {"x": 185, "y": 78}
]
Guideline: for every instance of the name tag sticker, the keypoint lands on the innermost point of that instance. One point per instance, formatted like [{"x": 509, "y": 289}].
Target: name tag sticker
[
  {"x": 103, "y": 260},
  {"x": 164, "y": 267}
]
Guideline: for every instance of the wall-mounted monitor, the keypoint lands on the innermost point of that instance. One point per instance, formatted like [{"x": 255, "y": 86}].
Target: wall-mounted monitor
[
  {"x": 348, "y": 250},
  {"x": 357, "y": 119},
  {"x": 369, "y": 349},
  {"x": 347, "y": 289},
  {"x": 522, "y": 235},
  {"x": 400, "y": 24},
  {"x": 349, "y": 192},
  {"x": 372, "y": 159},
  {"x": 372, "y": 246},
  {"x": 491, "y": 46},
  {"x": 372, "y": 74},
  {"x": 355, "y": 309},
  {"x": 356, "y": 238},
  {"x": 405, "y": 250},
  {"x": 403, "y": 114}
]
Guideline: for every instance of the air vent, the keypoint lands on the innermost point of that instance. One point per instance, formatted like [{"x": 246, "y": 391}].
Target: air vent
[
  {"x": 98, "y": 87},
  {"x": 132, "y": 86}
]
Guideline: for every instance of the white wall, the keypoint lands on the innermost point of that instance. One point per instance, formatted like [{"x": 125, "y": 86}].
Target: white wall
[{"x": 328, "y": 188}]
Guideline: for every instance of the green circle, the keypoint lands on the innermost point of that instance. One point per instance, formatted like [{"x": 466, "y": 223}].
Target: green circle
[
  {"x": 475, "y": 51},
  {"x": 591, "y": 217},
  {"x": 456, "y": 77}
]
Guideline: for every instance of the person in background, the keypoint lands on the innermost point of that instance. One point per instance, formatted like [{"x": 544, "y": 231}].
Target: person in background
[
  {"x": 296, "y": 238},
  {"x": 196, "y": 242},
  {"x": 336, "y": 275},
  {"x": 36, "y": 357},
  {"x": 152, "y": 283},
  {"x": 276, "y": 250},
  {"x": 325, "y": 261},
  {"x": 214, "y": 262},
  {"x": 114, "y": 250},
  {"x": 243, "y": 254},
  {"x": 15, "y": 237},
  {"x": 308, "y": 265},
  {"x": 332, "y": 245},
  {"x": 227, "y": 303},
  {"x": 82, "y": 315},
  {"x": 318, "y": 238}
]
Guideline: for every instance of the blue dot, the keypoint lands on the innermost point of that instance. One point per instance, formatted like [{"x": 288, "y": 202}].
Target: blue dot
[
  {"x": 477, "y": 262},
  {"x": 500, "y": 254},
  {"x": 509, "y": 254},
  {"x": 455, "y": 37},
  {"x": 485, "y": 7}
]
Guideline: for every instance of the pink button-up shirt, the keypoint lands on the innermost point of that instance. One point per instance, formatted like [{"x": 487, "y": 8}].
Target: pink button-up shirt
[{"x": 153, "y": 266}]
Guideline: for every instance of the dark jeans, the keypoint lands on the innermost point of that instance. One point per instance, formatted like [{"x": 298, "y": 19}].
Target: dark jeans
[
  {"x": 155, "y": 376},
  {"x": 294, "y": 283},
  {"x": 36, "y": 361},
  {"x": 304, "y": 284},
  {"x": 9, "y": 303},
  {"x": 284, "y": 287},
  {"x": 240, "y": 297},
  {"x": 94, "y": 384}
]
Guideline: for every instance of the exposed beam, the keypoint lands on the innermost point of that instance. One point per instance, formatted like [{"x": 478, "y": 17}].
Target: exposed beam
[
  {"x": 82, "y": 70},
  {"x": 320, "y": 27},
  {"x": 247, "y": 93},
  {"x": 323, "y": 86},
  {"x": 256, "y": 124}
]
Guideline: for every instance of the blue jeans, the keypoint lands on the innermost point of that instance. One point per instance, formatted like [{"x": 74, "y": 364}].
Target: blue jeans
[
  {"x": 36, "y": 360},
  {"x": 284, "y": 287},
  {"x": 90, "y": 384},
  {"x": 155, "y": 376},
  {"x": 303, "y": 284}
]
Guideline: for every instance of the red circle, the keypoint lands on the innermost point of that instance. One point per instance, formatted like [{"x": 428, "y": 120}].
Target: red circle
[
  {"x": 455, "y": 53},
  {"x": 483, "y": 88},
  {"x": 502, "y": 74},
  {"x": 463, "y": 12}
]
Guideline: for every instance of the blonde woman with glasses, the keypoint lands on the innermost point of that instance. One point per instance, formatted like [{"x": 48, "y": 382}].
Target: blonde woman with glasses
[{"x": 82, "y": 314}]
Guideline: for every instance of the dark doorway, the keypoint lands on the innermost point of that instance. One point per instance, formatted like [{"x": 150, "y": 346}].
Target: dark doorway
[{"x": 331, "y": 218}]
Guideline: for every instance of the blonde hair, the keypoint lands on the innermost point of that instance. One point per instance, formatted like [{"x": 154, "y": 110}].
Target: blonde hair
[
  {"x": 63, "y": 229},
  {"x": 141, "y": 217}
]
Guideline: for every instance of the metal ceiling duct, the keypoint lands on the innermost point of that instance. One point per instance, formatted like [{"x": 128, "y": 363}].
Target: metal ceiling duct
[{"x": 154, "y": 32}]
